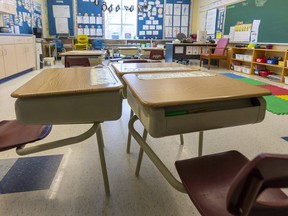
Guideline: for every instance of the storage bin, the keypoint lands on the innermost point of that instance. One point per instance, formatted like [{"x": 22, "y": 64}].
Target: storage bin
[
  {"x": 246, "y": 70},
  {"x": 248, "y": 58},
  {"x": 239, "y": 56},
  {"x": 281, "y": 63},
  {"x": 238, "y": 68}
]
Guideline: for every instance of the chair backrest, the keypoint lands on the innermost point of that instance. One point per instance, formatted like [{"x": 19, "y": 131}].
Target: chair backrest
[
  {"x": 221, "y": 46},
  {"x": 98, "y": 44},
  {"x": 78, "y": 62},
  {"x": 82, "y": 39},
  {"x": 59, "y": 44},
  {"x": 264, "y": 171},
  {"x": 156, "y": 54}
]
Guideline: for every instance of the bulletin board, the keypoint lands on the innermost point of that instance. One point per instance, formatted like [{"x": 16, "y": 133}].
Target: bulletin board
[
  {"x": 60, "y": 17},
  {"x": 29, "y": 15},
  {"x": 89, "y": 18},
  {"x": 177, "y": 18},
  {"x": 150, "y": 19}
]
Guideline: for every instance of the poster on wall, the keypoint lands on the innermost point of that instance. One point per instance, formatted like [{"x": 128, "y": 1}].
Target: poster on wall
[
  {"x": 150, "y": 19},
  {"x": 176, "y": 18}
]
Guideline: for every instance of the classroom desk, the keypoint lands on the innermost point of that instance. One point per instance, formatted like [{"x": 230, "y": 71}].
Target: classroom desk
[
  {"x": 145, "y": 51},
  {"x": 141, "y": 68},
  {"x": 170, "y": 106},
  {"x": 156, "y": 67},
  {"x": 83, "y": 54},
  {"x": 132, "y": 51},
  {"x": 52, "y": 49},
  {"x": 70, "y": 96}
]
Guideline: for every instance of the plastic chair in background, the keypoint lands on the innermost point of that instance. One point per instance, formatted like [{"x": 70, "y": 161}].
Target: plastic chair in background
[
  {"x": 98, "y": 44},
  {"x": 220, "y": 52},
  {"x": 59, "y": 46},
  {"x": 157, "y": 54},
  {"x": 82, "y": 42},
  {"x": 77, "y": 62},
  {"x": 228, "y": 183}
]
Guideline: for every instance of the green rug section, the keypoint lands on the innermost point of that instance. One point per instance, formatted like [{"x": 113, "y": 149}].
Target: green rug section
[
  {"x": 276, "y": 105},
  {"x": 251, "y": 81}
]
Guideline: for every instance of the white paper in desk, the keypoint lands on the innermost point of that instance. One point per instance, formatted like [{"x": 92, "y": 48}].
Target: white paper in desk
[
  {"x": 173, "y": 75},
  {"x": 101, "y": 76}
]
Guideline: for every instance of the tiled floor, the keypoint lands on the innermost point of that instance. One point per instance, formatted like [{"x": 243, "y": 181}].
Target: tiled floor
[{"x": 77, "y": 187}]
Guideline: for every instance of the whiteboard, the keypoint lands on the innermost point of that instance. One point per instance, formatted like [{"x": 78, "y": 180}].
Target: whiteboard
[{"x": 61, "y": 11}]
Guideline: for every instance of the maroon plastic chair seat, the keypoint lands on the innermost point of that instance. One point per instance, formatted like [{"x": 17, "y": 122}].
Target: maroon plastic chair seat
[
  {"x": 228, "y": 184},
  {"x": 74, "y": 62},
  {"x": 135, "y": 61},
  {"x": 13, "y": 134}
]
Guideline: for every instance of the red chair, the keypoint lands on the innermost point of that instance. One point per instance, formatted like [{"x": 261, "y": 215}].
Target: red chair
[
  {"x": 229, "y": 184},
  {"x": 220, "y": 52},
  {"x": 135, "y": 61},
  {"x": 77, "y": 62},
  {"x": 14, "y": 134},
  {"x": 157, "y": 54}
]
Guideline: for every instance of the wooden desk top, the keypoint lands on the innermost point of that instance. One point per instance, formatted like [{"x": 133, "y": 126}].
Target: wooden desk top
[
  {"x": 181, "y": 91},
  {"x": 152, "y": 48},
  {"x": 157, "y": 67},
  {"x": 193, "y": 44},
  {"x": 84, "y": 53},
  {"x": 128, "y": 48},
  {"x": 64, "y": 81}
]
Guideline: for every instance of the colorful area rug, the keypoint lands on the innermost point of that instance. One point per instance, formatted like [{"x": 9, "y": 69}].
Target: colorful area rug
[{"x": 277, "y": 103}]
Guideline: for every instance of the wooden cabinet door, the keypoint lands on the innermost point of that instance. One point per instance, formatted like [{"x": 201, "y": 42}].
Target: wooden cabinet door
[
  {"x": 30, "y": 56},
  {"x": 9, "y": 54},
  {"x": 2, "y": 68},
  {"x": 21, "y": 57}
]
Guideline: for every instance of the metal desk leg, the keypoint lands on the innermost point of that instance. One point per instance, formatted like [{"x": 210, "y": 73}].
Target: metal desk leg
[
  {"x": 129, "y": 135},
  {"x": 139, "y": 161},
  {"x": 154, "y": 158},
  {"x": 200, "y": 146},
  {"x": 102, "y": 158}
]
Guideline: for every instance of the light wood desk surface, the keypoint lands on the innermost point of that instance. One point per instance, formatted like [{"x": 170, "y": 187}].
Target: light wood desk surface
[
  {"x": 128, "y": 48},
  {"x": 63, "y": 81},
  {"x": 181, "y": 91},
  {"x": 157, "y": 67},
  {"x": 84, "y": 53}
]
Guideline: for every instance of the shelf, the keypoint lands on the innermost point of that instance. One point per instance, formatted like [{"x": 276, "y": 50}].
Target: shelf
[
  {"x": 270, "y": 50},
  {"x": 270, "y": 65}
]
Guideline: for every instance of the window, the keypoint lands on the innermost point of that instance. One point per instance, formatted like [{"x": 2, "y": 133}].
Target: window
[{"x": 124, "y": 21}]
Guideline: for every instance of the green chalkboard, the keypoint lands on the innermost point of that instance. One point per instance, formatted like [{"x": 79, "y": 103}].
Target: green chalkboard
[{"x": 272, "y": 13}]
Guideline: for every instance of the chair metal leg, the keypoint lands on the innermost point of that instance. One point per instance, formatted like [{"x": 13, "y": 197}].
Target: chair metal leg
[
  {"x": 102, "y": 159},
  {"x": 200, "y": 146},
  {"x": 140, "y": 156},
  {"x": 129, "y": 135}
]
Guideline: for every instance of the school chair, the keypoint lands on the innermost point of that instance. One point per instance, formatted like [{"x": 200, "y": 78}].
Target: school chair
[
  {"x": 58, "y": 46},
  {"x": 228, "y": 183},
  {"x": 220, "y": 52},
  {"x": 13, "y": 134},
  {"x": 157, "y": 54},
  {"x": 82, "y": 42},
  {"x": 77, "y": 62}
]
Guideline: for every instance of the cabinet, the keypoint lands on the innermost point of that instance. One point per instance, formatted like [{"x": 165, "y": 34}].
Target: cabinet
[
  {"x": 17, "y": 54},
  {"x": 7, "y": 57},
  {"x": 245, "y": 60},
  {"x": 25, "y": 49}
]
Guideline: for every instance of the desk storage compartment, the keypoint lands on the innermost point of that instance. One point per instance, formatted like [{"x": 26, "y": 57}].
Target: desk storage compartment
[
  {"x": 161, "y": 122},
  {"x": 79, "y": 108}
]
